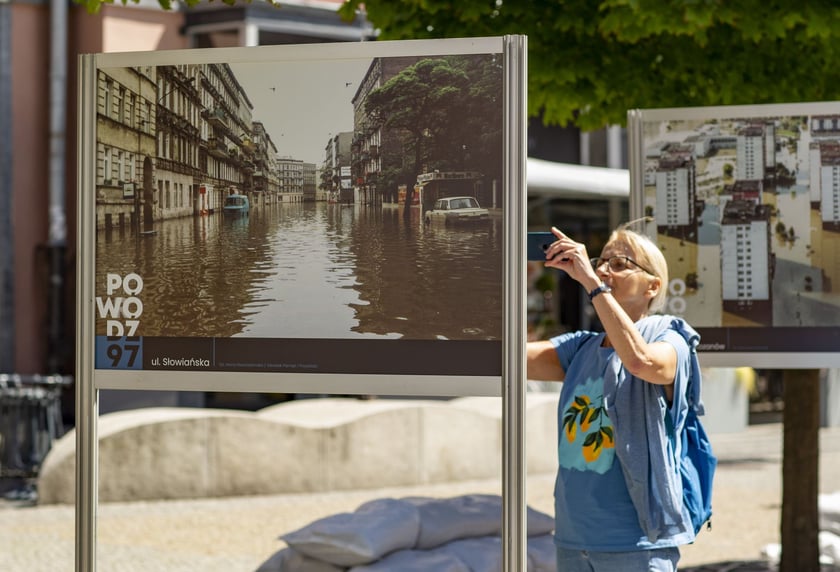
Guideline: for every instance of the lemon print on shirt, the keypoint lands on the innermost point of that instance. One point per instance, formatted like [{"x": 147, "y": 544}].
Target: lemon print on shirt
[{"x": 587, "y": 442}]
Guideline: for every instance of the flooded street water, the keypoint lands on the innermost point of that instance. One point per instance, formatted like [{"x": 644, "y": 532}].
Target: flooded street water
[{"x": 312, "y": 270}]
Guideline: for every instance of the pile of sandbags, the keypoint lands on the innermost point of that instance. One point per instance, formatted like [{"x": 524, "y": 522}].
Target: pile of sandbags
[{"x": 459, "y": 534}]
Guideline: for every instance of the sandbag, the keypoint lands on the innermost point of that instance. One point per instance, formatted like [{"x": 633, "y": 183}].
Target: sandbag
[
  {"x": 351, "y": 539},
  {"x": 443, "y": 520},
  {"x": 416, "y": 561},
  {"x": 290, "y": 560}
]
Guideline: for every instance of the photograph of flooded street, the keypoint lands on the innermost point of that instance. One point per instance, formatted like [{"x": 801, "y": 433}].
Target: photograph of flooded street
[
  {"x": 329, "y": 199},
  {"x": 314, "y": 270}
]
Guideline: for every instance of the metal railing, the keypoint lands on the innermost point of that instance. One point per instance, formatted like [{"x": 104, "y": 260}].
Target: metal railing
[{"x": 30, "y": 421}]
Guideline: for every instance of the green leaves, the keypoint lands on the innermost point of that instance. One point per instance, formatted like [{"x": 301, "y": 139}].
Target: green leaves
[
  {"x": 446, "y": 113},
  {"x": 597, "y": 438},
  {"x": 590, "y": 62}
]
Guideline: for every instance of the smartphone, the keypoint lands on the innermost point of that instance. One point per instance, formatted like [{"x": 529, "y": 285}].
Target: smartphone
[{"x": 538, "y": 243}]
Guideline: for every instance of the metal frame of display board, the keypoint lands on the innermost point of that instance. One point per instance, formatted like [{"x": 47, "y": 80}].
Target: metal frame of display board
[
  {"x": 772, "y": 152},
  {"x": 507, "y": 380}
]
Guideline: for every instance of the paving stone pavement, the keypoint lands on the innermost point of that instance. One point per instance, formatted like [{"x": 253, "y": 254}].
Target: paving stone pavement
[
  {"x": 745, "y": 566},
  {"x": 237, "y": 534}
]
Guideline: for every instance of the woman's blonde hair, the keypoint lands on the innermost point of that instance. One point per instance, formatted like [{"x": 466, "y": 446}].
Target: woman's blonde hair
[{"x": 648, "y": 255}]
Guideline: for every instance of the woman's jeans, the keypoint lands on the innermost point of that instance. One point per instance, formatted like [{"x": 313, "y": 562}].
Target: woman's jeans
[{"x": 659, "y": 560}]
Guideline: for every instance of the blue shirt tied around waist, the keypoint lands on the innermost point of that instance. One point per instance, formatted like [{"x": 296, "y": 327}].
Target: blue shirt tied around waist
[{"x": 618, "y": 486}]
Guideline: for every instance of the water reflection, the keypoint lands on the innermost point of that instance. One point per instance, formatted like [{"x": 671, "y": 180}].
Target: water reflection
[{"x": 312, "y": 271}]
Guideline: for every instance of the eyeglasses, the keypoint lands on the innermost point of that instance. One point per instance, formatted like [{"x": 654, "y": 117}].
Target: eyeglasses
[{"x": 617, "y": 264}]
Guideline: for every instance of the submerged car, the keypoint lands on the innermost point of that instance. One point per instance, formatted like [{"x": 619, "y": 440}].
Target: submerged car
[
  {"x": 456, "y": 210},
  {"x": 236, "y": 204}
]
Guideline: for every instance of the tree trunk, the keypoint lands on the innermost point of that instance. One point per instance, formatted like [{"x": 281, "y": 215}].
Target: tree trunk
[
  {"x": 418, "y": 163},
  {"x": 800, "y": 472},
  {"x": 409, "y": 198}
]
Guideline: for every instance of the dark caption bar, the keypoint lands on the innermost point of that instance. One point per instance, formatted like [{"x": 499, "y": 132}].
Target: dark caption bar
[
  {"x": 387, "y": 357},
  {"x": 776, "y": 339}
]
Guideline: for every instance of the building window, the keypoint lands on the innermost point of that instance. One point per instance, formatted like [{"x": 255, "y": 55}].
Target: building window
[
  {"x": 129, "y": 110},
  {"x": 106, "y": 164},
  {"x": 109, "y": 88},
  {"x": 119, "y": 104},
  {"x": 118, "y": 167}
]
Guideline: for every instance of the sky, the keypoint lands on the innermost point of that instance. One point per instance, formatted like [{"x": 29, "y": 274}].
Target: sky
[{"x": 302, "y": 104}]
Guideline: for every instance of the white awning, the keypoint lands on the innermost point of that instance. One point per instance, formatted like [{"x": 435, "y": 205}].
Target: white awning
[{"x": 548, "y": 179}]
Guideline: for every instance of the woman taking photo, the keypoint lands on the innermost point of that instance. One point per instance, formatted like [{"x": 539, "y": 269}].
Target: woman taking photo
[{"x": 618, "y": 502}]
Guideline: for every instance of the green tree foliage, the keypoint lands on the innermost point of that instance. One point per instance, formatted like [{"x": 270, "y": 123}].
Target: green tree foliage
[
  {"x": 419, "y": 102},
  {"x": 590, "y": 61},
  {"x": 448, "y": 112}
]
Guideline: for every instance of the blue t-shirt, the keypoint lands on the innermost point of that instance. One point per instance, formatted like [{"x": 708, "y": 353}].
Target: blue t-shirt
[{"x": 593, "y": 508}]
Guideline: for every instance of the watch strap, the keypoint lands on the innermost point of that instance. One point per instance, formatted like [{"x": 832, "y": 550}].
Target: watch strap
[{"x": 599, "y": 290}]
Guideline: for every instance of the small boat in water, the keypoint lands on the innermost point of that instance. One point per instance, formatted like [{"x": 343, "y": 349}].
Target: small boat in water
[{"x": 236, "y": 204}]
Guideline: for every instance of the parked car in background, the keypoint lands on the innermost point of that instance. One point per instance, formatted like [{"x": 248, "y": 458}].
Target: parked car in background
[{"x": 456, "y": 210}]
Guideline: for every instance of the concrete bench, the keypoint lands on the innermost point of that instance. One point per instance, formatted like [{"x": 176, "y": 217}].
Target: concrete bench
[{"x": 301, "y": 446}]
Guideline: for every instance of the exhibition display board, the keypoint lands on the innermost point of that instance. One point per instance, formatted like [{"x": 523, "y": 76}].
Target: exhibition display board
[
  {"x": 270, "y": 219},
  {"x": 744, "y": 202}
]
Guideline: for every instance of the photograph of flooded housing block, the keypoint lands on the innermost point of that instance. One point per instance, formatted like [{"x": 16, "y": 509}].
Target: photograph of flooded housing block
[
  {"x": 305, "y": 199},
  {"x": 747, "y": 212}
]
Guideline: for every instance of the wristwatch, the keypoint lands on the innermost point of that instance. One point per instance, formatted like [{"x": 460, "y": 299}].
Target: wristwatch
[{"x": 599, "y": 290}]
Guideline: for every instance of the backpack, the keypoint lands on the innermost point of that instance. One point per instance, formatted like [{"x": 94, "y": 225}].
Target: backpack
[{"x": 697, "y": 465}]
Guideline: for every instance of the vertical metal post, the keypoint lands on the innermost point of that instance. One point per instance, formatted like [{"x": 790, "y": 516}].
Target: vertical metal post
[
  {"x": 615, "y": 159},
  {"x": 514, "y": 533},
  {"x": 635, "y": 158},
  {"x": 57, "y": 242},
  {"x": 87, "y": 462},
  {"x": 7, "y": 246},
  {"x": 249, "y": 34},
  {"x": 585, "y": 148},
  {"x": 58, "y": 92}
]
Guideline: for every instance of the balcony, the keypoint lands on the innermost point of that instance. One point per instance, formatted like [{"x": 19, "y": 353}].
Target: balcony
[
  {"x": 216, "y": 148},
  {"x": 216, "y": 116},
  {"x": 247, "y": 145},
  {"x": 176, "y": 167},
  {"x": 374, "y": 151}
]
